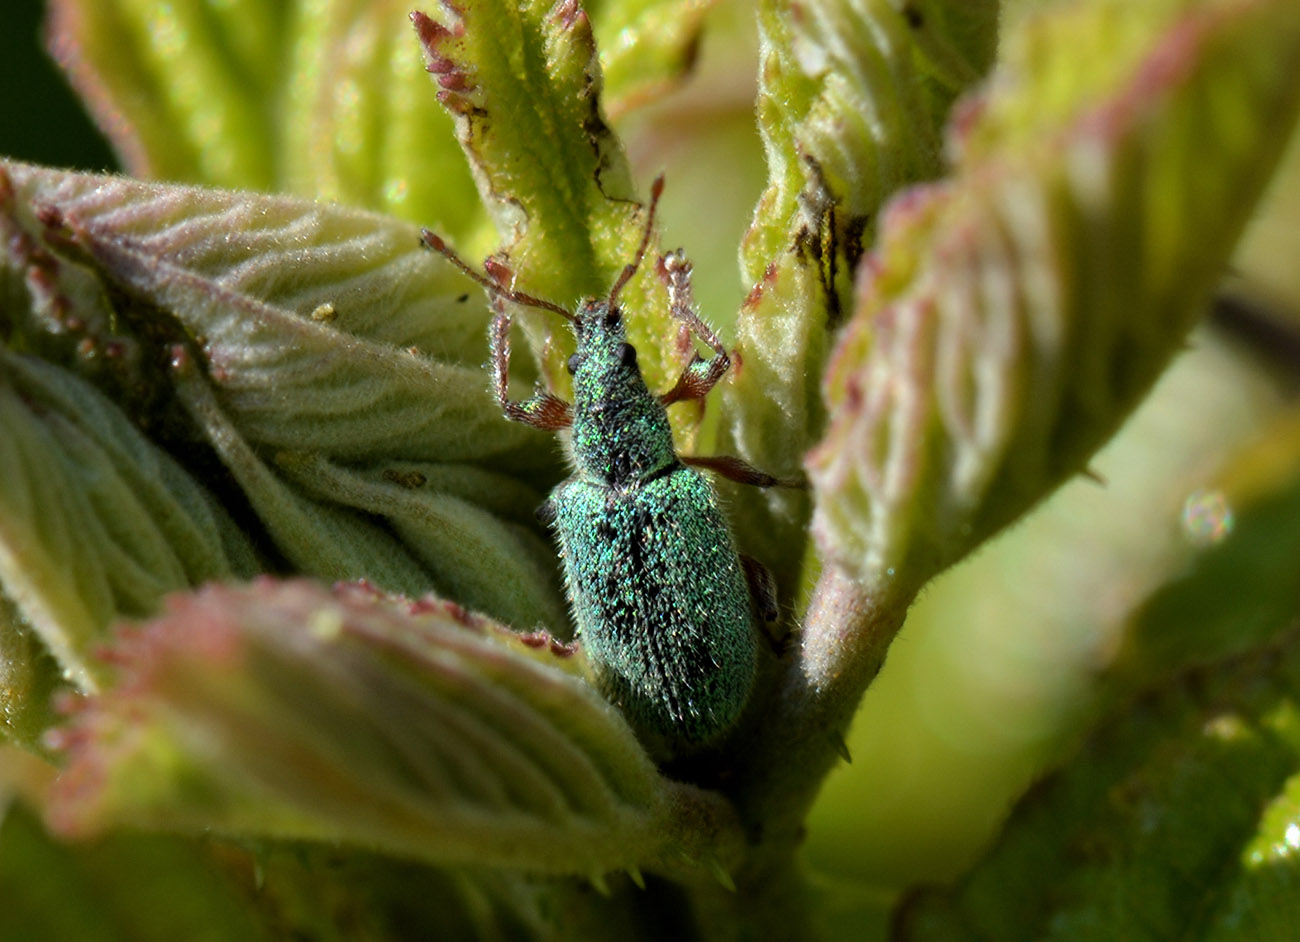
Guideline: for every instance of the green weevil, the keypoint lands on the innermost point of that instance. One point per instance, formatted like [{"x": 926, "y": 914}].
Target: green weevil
[{"x": 664, "y": 605}]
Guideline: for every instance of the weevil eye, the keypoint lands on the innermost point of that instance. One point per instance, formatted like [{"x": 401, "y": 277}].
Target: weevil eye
[
  {"x": 572, "y": 364},
  {"x": 627, "y": 354}
]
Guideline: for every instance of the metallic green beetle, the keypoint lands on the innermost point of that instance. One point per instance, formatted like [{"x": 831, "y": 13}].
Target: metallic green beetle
[{"x": 664, "y": 604}]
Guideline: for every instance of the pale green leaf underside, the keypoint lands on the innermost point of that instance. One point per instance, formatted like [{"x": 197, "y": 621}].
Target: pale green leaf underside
[
  {"x": 289, "y": 328},
  {"x": 1015, "y": 314},
  {"x": 95, "y": 521},
  {"x": 292, "y": 711},
  {"x": 322, "y": 327}
]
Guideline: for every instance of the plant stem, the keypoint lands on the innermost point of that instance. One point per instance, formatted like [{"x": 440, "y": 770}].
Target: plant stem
[{"x": 800, "y": 734}]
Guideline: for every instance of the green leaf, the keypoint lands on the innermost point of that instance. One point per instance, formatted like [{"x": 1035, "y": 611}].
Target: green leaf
[
  {"x": 362, "y": 123},
  {"x": 848, "y": 113},
  {"x": 322, "y": 99},
  {"x": 318, "y": 538},
  {"x": 647, "y": 47},
  {"x": 291, "y": 711},
  {"x": 1012, "y": 317},
  {"x": 997, "y": 670},
  {"x": 29, "y": 676},
  {"x": 490, "y": 564},
  {"x": 523, "y": 83},
  {"x": 284, "y": 326},
  {"x": 141, "y": 887},
  {"x": 95, "y": 521},
  {"x": 185, "y": 90},
  {"x": 323, "y": 327},
  {"x": 1177, "y": 820}
]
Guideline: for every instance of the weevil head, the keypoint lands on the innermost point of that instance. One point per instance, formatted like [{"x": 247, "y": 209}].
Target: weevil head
[{"x": 620, "y": 429}]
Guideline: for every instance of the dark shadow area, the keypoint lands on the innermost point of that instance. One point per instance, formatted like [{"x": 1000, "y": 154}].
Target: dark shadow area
[{"x": 41, "y": 120}]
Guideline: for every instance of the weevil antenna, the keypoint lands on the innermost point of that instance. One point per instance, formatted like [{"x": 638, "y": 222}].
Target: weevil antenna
[
  {"x": 494, "y": 287},
  {"x": 656, "y": 189}
]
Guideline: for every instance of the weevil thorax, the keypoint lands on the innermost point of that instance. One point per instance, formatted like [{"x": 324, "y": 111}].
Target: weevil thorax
[{"x": 620, "y": 429}]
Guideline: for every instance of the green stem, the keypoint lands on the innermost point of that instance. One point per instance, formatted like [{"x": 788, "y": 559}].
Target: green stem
[{"x": 801, "y": 732}]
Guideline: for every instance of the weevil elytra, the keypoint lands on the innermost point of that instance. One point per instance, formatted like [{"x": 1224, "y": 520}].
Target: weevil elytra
[{"x": 664, "y": 604}]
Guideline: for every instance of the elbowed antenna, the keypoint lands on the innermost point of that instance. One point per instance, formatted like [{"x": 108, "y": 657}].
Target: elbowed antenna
[
  {"x": 656, "y": 190},
  {"x": 435, "y": 242}
]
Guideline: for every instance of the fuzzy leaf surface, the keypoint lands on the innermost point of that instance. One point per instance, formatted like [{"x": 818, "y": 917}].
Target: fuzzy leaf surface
[
  {"x": 293, "y": 711},
  {"x": 523, "y": 82},
  {"x": 279, "y": 332},
  {"x": 848, "y": 114},
  {"x": 96, "y": 522},
  {"x": 322, "y": 327},
  {"x": 1012, "y": 316}
]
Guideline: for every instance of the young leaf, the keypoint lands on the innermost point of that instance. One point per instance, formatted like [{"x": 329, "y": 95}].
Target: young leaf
[
  {"x": 277, "y": 324},
  {"x": 29, "y": 676},
  {"x": 322, "y": 99},
  {"x": 646, "y": 46},
  {"x": 362, "y": 123},
  {"x": 523, "y": 83},
  {"x": 489, "y": 564},
  {"x": 292, "y": 711},
  {"x": 95, "y": 521},
  {"x": 1012, "y": 317},
  {"x": 185, "y": 90},
  {"x": 318, "y": 538},
  {"x": 847, "y": 117},
  {"x": 322, "y": 327}
]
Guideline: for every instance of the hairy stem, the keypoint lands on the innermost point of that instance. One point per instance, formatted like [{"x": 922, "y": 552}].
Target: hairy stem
[{"x": 845, "y": 635}]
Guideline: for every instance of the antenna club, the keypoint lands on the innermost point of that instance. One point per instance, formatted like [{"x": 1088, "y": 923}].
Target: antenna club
[
  {"x": 433, "y": 241},
  {"x": 498, "y": 271}
]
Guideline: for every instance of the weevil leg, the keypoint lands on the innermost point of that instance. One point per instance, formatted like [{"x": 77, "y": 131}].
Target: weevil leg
[
  {"x": 762, "y": 588},
  {"x": 700, "y": 374},
  {"x": 734, "y": 469},
  {"x": 762, "y": 593},
  {"x": 541, "y": 410}
]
